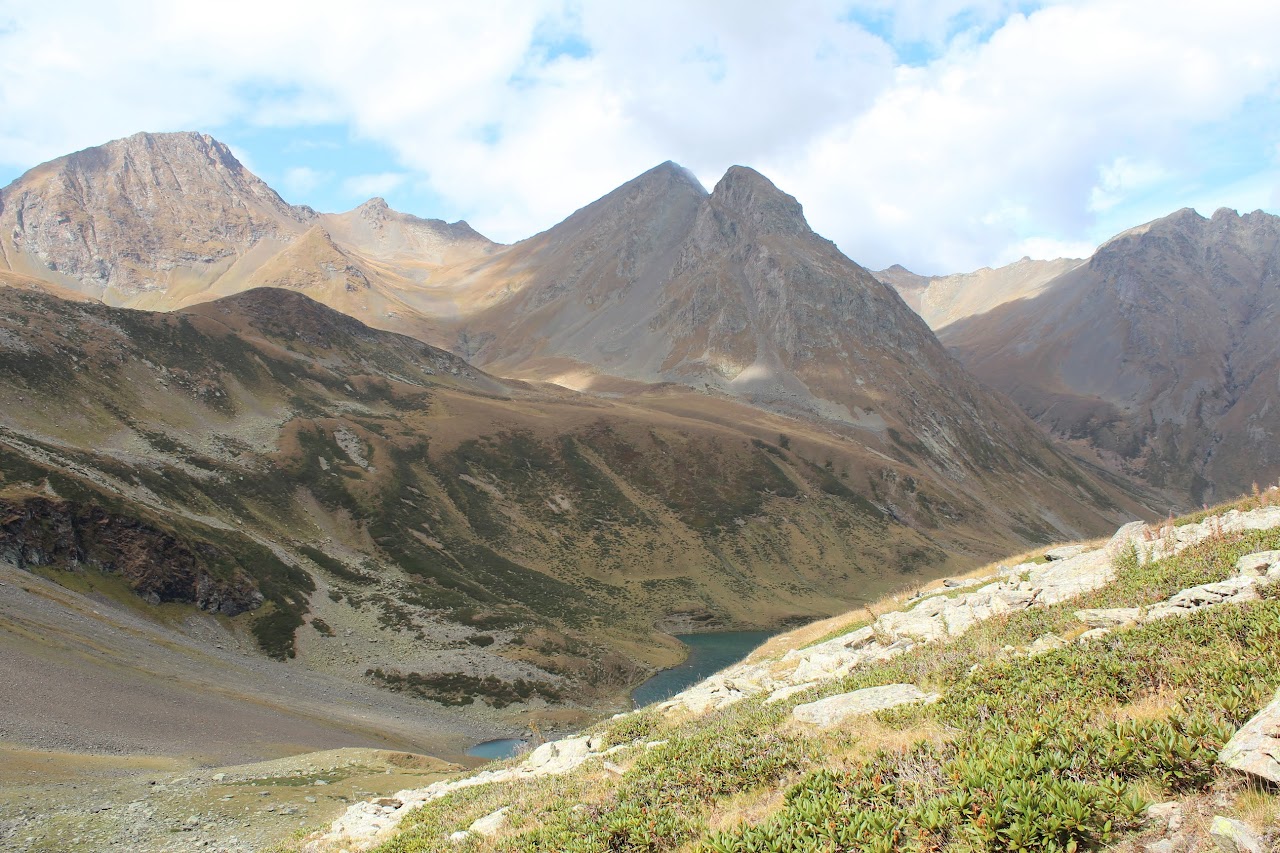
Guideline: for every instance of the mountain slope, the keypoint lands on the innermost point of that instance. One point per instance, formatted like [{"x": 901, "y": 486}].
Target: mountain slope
[
  {"x": 160, "y": 221},
  {"x": 1159, "y": 352},
  {"x": 945, "y": 299},
  {"x": 323, "y": 485},
  {"x": 1121, "y": 698}
]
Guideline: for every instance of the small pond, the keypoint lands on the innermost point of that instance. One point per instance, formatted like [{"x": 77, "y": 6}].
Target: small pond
[
  {"x": 708, "y": 653},
  {"x": 497, "y": 749}
]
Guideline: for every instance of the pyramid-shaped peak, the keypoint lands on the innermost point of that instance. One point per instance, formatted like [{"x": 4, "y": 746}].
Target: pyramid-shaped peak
[
  {"x": 668, "y": 174},
  {"x": 748, "y": 193}
]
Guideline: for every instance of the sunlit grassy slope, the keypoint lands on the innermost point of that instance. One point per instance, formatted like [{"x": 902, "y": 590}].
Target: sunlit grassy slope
[{"x": 1061, "y": 751}]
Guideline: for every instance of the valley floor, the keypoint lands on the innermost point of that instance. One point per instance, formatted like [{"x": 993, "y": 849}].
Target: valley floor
[{"x": 101, "y": 709}]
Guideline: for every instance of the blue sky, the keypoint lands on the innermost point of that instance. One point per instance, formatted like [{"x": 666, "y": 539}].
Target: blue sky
[{"x": 940, "y": 134}]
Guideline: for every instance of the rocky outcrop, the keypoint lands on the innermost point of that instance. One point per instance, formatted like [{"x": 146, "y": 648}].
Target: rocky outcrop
[
  {"x": 365, "y": 824},
  {"x": 1255, "y": 749},
  {"x": 835, "y": 710},
  {"x": 156, "y": 564}
]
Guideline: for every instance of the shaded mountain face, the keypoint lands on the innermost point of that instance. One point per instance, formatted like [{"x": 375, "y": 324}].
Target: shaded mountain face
[
  {"x": 1160, "y": 352},
  {"x": 381, "y": 511},
  {"x": 944, "y": 299},
  {"x": 730, "y": 292}
]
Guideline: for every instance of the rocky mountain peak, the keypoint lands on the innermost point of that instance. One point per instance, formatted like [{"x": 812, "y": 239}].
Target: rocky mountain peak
[
  {"x": 375, "y": 206},
  {"x": 139, "y": 214},
  {"x": 753, "y": 197}
]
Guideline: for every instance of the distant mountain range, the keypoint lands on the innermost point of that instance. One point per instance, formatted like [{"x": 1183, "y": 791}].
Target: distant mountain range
[
  {"x": 1159, "y": 352},
  {"x": 770, "y": 433}
]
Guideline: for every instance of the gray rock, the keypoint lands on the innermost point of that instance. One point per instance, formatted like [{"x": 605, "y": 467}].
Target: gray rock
[
  {"x": 1113, "y": 617},
  {"x": 1234, "y": 836},
  {"x": 787, "y": 692},
  {"x": 558, "y": 756},
  {"x": 1044, "y": 644},
  {"x": 1066, "y": 552},
  {"x": 1168, "y": 815},
  {"x": 834, "y": 710},
  {"x": 1255, "y": 748},
  {"x": 1259, "y": 564},
  {"x": 491, "y": 824}
]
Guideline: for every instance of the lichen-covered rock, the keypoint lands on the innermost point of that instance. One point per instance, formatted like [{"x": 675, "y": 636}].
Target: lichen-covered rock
[
  {"x": 1255, "y": 748},
  {"x": 1262, "y": 564},
  {"x": 1113, "y": 617},
  {"x": 834, "y": 710},
  {"x": 1234, "y": 836}
]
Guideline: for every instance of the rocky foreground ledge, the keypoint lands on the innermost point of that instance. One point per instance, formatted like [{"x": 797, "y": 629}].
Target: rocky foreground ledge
[{"x": 932, "y": 618}]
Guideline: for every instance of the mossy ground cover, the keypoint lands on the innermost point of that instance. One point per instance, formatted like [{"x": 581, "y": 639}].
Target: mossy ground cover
[{"x": 1059, "y": 752}]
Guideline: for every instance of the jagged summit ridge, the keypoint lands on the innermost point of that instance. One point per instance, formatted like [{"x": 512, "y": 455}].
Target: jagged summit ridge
[{"x": 753, "y": 197}]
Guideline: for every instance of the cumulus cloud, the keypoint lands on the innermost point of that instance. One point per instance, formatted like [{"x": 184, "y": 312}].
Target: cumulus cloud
[{"x": 944, "y": 134}]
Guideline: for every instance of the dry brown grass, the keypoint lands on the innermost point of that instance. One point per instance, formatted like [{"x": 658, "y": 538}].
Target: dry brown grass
[
  {"x": 1258, "y": 806},
  {"x": 1157, "y": 706}
]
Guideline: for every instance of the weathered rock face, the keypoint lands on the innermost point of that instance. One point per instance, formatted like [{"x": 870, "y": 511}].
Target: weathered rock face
[
  {"x": 1255, "y": 749},
  {"x": 155, "y": 564},
  {"x": 1159, "y": 352},
  {"x": 140, "y": 214}
]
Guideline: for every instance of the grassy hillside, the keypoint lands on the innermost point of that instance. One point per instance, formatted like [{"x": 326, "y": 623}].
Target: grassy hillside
[{"x": 1063, "y": 748}]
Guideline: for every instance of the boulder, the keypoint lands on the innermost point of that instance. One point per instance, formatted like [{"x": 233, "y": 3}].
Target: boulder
[
  {"x": 1261, "y": 564},
  {"x": 1255, "y": 748},
  {"x": 1066, "y": 552},
  {"x": 557, "y": 756},
  {"x": 490, "y": 824},
  {"x": 1234, "y": 836},
  {"x": 832, "y": 711},
  {"x": 1113, "y": 617},
  {"x": 1047, "y": 643}
]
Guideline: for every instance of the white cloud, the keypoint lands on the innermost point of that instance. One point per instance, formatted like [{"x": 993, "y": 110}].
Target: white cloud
[
  {"x": 1120, "y": 178},
  {"x": 999, "y": 141},
  {"x": 303, "y": 179},
  {"x": 377, "y": 184}
]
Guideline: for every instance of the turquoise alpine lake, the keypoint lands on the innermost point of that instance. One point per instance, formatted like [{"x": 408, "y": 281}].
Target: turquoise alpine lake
[
  {"x": 708, "y": 653},
  {"x": 497, "y": 749}
]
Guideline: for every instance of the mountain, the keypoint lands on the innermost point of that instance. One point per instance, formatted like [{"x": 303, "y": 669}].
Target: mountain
[
  {"x": 1159, "y": 352},
  {"x": 944, "y": 299},
  {"x": 165, "y": 220},
  {"x": 378, "y": 510}
]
